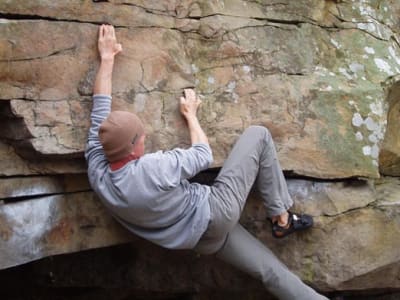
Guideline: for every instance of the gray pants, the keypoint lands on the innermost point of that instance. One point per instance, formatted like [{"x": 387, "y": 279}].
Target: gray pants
[{"x": 252, "y": 160}]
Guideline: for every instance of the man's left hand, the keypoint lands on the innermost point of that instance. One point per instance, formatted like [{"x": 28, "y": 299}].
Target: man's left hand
[{"x": 107, "y": 43}]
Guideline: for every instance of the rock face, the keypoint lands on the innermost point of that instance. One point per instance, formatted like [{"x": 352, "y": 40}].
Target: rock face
[
  {"x": 314, "y": 76},
  {"x": 323, "y": 76}
]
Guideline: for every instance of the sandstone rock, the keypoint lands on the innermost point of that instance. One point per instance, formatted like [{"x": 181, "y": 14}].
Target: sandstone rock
[
  {"x": 306, "y": 83},
  {"x": 323, "y": 76},
  {"x": 13, "y": 164},
  {"x": 52, "y": 225},
  {"x": 15, "y": 187},
  {"x": 390, "y": 152},
  {"x": 354, "y": 238}
]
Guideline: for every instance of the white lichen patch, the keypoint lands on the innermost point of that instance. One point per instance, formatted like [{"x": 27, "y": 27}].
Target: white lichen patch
[
  {"x": 366, "y": 150},
  {"x": 393, "y": 54},
  {"x": 375, "y": 151},
  {"x": 376, "y": 108},
  {"x": 366, "y": 10},
  {"x": 370, "y": 27},
  {"x": 359, "y": 136},
  {"x": 356, "y": 67},
  {"x": 370, "y": 130},
  {"x": 371, "y": 124},
  {"x": 321, "y": 71},
  {"x": 374, "y": 27},
  {"x": 336, "y": 44},
  {"x": 231, "y": 89},
  {"x": 369, "y": 50},
  {"x": 246, "y": 69},
  {"x": 231, "y": 86},
  {"x": 383, "y": 66},
  {"x": 211, "y": 80},
  {"x": 345, "y": 73},
  {"x": 326, "y": 89},
  {"x": 373, "y": 138},
  {"x": 195, "y": 69},
  {"x": 357, "y": 120},
  {"x": 235, "y": 97}
]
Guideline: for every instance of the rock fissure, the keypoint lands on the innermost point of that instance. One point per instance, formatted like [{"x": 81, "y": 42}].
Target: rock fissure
[
  {"x": 17, "y": 199},
  {"x": 395, "y": 40},
  {"x": 55, "y": 53},
  {"x": 350, "y": 211},
  {"x": 27, "y": 17}
]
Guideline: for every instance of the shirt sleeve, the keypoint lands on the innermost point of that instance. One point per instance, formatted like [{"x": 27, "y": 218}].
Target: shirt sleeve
[
  {"x": 101, "y": 109},
  {"x": 193, "y": 160},
  {"x": 170, "y": 168}
]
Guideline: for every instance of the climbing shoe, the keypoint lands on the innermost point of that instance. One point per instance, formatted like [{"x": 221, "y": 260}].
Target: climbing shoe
[{"x": 295, "y": 223}]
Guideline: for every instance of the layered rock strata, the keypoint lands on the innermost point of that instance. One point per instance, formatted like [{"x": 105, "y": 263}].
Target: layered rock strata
[{"x": 323, "y": 76}]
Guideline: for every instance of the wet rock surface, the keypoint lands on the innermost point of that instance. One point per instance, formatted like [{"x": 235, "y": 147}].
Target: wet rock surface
[{"x": 323, "y": 76}]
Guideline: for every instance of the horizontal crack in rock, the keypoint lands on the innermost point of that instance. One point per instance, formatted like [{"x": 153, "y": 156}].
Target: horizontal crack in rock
[
  {"x": 9, "y": 16},
  {"x": 55, "y": 53}
]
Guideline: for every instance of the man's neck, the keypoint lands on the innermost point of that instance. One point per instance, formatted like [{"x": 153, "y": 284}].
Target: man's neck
[{"x": 122, "y": 162}]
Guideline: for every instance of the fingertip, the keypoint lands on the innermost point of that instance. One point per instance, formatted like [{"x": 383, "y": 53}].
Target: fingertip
[{"x": 101, "y": 29}]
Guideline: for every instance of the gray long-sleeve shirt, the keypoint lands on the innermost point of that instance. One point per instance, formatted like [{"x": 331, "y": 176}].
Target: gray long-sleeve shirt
[{"x": 151, "y": 196}]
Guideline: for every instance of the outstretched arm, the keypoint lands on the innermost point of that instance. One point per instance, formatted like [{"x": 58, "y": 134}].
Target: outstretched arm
[
  {"x": 108, "y": 48},
  {"x": 189, "y": 106}
]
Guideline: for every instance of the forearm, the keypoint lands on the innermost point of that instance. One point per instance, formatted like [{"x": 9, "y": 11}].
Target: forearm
[
  {"x": 103, "y": 81},
  {"x": 197, "y": 134}
]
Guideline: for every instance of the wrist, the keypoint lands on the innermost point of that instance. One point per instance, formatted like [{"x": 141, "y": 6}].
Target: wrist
[
  {"x": 107, "y": 60},
  {"x": 191, "y": 118}
]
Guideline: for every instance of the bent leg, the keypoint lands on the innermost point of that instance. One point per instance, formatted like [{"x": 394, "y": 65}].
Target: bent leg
[
  {"x": 252, "y": 158},
  {"x": 246, "y": 253}
]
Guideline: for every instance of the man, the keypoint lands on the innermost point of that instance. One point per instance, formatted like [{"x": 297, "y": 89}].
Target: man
[{"x": 150, "y": 195}]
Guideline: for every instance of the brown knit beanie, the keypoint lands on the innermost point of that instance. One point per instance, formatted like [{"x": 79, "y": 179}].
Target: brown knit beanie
[{"x": 118, "y": 133}]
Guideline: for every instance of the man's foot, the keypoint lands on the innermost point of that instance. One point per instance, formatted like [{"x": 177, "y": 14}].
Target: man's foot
[{"x": 295, "y": 223}]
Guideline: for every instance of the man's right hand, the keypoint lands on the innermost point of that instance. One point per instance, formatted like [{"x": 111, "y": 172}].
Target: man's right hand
[{"x": 189, "y": 104}]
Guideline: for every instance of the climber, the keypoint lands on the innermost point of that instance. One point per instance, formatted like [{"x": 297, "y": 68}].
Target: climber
[{"x": 151, "y": 196}]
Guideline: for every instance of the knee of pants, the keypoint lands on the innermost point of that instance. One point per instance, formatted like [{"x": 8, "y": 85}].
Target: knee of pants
[{"x": 259, "y": 132}]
